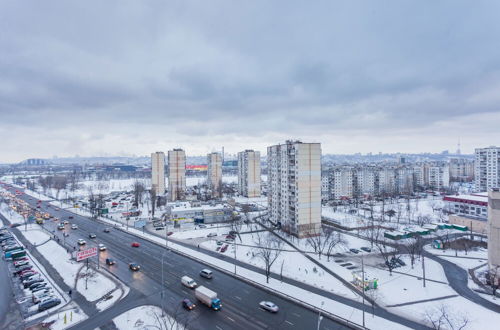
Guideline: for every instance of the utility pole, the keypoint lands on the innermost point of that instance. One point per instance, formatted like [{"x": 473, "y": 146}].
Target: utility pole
[
  {"x": 235, "y": 256},
  {"x": 363, "y": 287},
  {"x": 423, "y": 268}
]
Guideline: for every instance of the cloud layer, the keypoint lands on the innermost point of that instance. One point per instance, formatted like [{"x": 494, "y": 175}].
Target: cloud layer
[{"x": 115, "y": 77}]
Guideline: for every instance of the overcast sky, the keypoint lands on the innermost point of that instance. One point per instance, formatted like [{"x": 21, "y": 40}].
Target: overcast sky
[{"x": 133, "y": 77}]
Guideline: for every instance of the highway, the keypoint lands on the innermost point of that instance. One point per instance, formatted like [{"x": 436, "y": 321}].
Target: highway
[{"x": 240, "y": 300}]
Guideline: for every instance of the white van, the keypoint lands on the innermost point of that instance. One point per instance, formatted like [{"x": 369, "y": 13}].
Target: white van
[{"x": 189, "y": 282}]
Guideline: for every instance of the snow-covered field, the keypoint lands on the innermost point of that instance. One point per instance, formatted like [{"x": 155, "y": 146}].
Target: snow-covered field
[
  {"x": 146, "y": 317},
  {"x": 473, "y": 258}
]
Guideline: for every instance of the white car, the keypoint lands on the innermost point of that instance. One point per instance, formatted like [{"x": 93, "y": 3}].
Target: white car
[
  {"x": 212, "y": 235},
  {"x": 269, "y": 306},
  {"x": 102, "y": 247},
  {"x": 74, "y": 226},
  {"x": 81, "y": 242}
]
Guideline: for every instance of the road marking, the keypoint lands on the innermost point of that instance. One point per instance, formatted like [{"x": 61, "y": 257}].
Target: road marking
[
  {"x": 185, "y": 292},
  {"x": 289, "y": 322},
  {"x": 296, "y": 314},
  {"x": 239, "y": 298},
  {"x": 218, "y": 327},
  {"x": 227, "y": 317}
]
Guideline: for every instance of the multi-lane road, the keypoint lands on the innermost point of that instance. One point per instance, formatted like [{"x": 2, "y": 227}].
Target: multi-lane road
[{"x": 160, "y": 273}]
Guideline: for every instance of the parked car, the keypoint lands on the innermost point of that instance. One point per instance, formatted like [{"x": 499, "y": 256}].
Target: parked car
[
  {"x": 48, "y": 304},
  {"x": 81, "y": 241},
  {"x": 74, "y": 226},
  {"x": 37, "y": 286},
  {"x": 135, "y": 244},
  {"x": 107, "y": 230},
  {"x": 206, "y": 273},
  {"x": 224, "y": 248},
  {"x": 44, "y": 298},
  {"x": 202, "y": 226},
  {"x": 354, "y": 251},
  {"x": 269, "y": 306},
  {"x": 92, "y": 235},
  {"x": 212, "y": 235},
  {"x": 366, "y": 249},
  {"x": 220, "y": 242},
  {"x": 66, "y": 222},
  {"x": 133, "y": 266},
  {"x": 70, "y": 217},
  {"x": 188, "y": 304},
  {"x": 102, "y": 247},
  {"x": 29, "y": 283},
  {"x": 170, "y": 233},
  {"x": 110, "y": 261}
]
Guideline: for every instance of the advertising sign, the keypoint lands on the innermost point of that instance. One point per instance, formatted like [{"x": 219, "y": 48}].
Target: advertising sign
[
  {"x": 82, "y": 255},
  {"x": 139, "y": 223}
]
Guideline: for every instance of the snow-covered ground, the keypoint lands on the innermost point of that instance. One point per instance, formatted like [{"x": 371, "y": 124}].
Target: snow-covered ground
[
  {"x": 67, "y": 317},
  {"x": 474, "y": 258},
  {"x": 146, "y": 317}
]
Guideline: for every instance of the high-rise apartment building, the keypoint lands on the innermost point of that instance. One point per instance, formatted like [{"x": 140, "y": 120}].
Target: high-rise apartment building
[
  {"x": 176, "y": 174},
  {"x": 487, "y": 168},
  {"x": 494, "y": 232},
  {"x": 249, "y": 173},
  {"x": 438, "y": 176},
  {"x": 214, "y": 173},
  {"x": 461, "y": 169},
  {"x": 158, "y": 172},
  {"x": 294, "y": 187}
]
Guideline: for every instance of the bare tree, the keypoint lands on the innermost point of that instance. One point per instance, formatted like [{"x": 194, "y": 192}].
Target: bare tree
[
  {"x": 268, "y": 248},
  {"x": 152, "y": 197},
  {"x": 138, "y": 190},
  {"x": 389, "y": 254},
  {"x": 444, "y": 319},
  {"x": 336, "y": 239},
  {"x": 60, "y": 183},
  {"x": 493, "y": 279},
  {"x": 414, "y": 247}
]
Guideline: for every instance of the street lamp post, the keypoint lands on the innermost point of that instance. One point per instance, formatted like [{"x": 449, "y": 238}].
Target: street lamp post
[{"x": 320, "y": 317}]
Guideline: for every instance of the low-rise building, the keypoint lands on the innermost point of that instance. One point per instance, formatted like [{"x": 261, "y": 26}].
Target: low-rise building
[{"x": 193, "y": 211}]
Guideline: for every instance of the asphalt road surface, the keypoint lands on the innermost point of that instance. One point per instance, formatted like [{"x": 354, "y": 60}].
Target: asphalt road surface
[{"x": 240, "y": 300}]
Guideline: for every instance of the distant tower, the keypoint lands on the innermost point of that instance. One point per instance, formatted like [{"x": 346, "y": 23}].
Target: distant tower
[{"x": 458, "y": 147}]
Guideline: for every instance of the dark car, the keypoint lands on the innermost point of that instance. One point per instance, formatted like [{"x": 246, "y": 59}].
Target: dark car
[
  {"x": 37, "y": 286},
  {"x": 110, "y": 261},
  {"x": 133, "y": 266},
  {"x": 92, "y": 235},
  {"x": 70, "y": 217},
  {"x": 107, "y": 230},
  {"x": 366, "y": 249},
  {"x": 354, "y": 251},
  {"x": 48, "y": 304},
  {"x": 188, "y": 304},
  {"x": 28, "y": 284}
]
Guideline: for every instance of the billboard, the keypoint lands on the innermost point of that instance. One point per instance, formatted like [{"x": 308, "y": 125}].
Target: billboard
[
  {"x": 82, "y": 255},
  {"x": 139, "y": 223}
]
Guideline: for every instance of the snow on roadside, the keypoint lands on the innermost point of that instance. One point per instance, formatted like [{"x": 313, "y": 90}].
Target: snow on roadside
[
  {"x": 57, "y": 256},
  {"x": 98, "y": 285},
  {"x": 68, "y": 317},
  {"x": 144, "y": 318}
]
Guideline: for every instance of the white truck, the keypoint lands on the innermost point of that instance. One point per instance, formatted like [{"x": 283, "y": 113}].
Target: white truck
[{"x": 208, "y": 297}]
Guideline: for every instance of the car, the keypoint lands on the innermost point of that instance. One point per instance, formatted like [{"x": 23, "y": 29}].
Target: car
[
  {"x": 269, "y": 306},
  {"x": 70, "y": 217},
  {"x": 135, "y": 244},
  {"x": 188, "y": 304},
  {"x": 366, "y": 249},
  {"x": 106, "y": 230},
  {"x": 92, "y": 235},
  {"x": 66, "y": 222},
  {"x": 220, "y": 242},
  {"x": 188, "y": 282},
  {"x": 60, "y": 226},
  {"x": 110, "y": 261},
  {"x": 102, "y": 247},
  {"x": 20, "y": 263},
  {"x": 206, "y": 273},
  {"x": 202, "y": 226},
  {"x": 81, "y": 241},
  {"x": 43, "y": 298},
  {"x": 29, "y": 283},
  {"x": 212, "y": 235},
  {"x": 170, "y": 233},
  {"x": 37, "y": 286},
  {"x": 133, "y": 266},
  {"x": 354, "y": 251},
  {"x": 74, "y": 226},
  {"x": 38, "y": 206},
  {"x": 48, "y": 304},
  {"x": 224, "y": 248}
]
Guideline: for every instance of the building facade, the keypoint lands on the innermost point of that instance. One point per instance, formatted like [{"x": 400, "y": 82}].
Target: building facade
[
  {"x": 158, "y": 172},
  {"x": 494, "y": 231},
  {"x": 214, "y": 173},
  {"x": 487, "y": 168},
  {"x": 294, "y": 187},
  {"x": 176, "y": 174},
  {"x": 249, "y": 173},
  {"x": 461, "y": 170}
]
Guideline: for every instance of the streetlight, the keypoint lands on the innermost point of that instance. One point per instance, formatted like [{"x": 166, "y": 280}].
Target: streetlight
[{"x": 320, "y": 317}]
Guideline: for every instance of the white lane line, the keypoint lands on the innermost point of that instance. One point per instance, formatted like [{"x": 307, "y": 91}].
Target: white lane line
[
  {"x": 185, "y": 292},
  {"x": 230, "y": 319},
  {"x": 239, "y": 298},
  {"x": 296, "y": 314},
  {"x": 218, "y": 327},
  {"x": 289, "y": 322}
]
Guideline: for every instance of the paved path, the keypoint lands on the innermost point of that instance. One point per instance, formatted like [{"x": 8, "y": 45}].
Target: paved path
[{"x": 423, "y": 301}]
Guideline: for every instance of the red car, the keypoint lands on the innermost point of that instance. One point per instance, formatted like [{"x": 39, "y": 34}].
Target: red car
[
  {"x": 224, "y": 248},
  {"x": 135, "y": 244}
]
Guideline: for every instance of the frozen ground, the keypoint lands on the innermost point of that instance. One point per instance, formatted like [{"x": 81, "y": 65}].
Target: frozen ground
[
  {"x": 146, "y": 317},
  {"x": 67, "y": 317}
]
